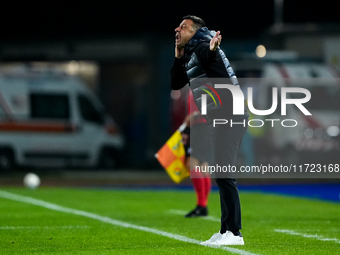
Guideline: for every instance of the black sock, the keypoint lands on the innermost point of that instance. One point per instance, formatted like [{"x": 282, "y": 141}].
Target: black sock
[{"x": 236, "y": 232}]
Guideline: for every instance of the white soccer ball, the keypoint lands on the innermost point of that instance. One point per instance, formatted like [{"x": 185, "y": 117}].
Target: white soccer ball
[{"x": 31, "y": 181}]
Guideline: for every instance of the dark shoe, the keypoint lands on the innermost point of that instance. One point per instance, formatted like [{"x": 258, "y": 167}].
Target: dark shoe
[{"x": 199, "y": 211}]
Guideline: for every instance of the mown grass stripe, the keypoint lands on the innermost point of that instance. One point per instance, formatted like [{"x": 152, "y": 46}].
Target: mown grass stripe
[
  {"x": 42, "y": 227},
  {"x": 55, "y": 207}
]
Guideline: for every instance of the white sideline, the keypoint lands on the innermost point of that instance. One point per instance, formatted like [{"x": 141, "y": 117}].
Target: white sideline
[
  {"x": 108, "y": 220},
  {"x": 318, "y": 237}
]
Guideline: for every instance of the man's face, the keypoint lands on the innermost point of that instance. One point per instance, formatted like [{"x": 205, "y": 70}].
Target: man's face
[{"x": 184, "y": 32}]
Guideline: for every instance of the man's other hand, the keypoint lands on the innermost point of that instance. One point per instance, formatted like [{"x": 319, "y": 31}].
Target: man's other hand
[{"x": 179, "y": 52}]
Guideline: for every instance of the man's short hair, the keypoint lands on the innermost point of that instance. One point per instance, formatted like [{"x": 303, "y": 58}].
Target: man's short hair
[{"x": 198, "y": 22}]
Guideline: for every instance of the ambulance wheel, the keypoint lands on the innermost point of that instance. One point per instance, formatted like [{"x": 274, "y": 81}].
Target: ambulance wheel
[
  {"x": 107, "y": 159},
  {"x": 6, "y": 160}
]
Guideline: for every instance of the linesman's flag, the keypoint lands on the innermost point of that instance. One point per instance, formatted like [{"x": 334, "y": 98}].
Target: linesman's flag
[{"x": 172, "y": 157}]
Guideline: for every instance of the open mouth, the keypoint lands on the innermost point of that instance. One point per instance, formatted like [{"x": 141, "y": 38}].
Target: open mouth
[{"x": 177, "y": 38}]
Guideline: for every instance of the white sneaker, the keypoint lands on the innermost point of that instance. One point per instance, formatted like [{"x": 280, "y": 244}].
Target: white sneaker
[
  {"x": 217, "y": 236},
  {"x": 228, "y": 238}
]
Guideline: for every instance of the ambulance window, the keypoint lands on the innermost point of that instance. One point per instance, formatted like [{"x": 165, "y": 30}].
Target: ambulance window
[
  {"x": 45, "y": 106},
  {"x": 88, "y": 111},
  {"x": 2, "y": 114}
]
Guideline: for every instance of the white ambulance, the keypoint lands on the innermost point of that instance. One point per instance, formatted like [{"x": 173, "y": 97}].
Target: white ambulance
[{"x": 50, "y": 119}]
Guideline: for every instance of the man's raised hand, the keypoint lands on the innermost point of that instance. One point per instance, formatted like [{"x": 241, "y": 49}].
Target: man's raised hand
[{"x": 215, "y": 41}]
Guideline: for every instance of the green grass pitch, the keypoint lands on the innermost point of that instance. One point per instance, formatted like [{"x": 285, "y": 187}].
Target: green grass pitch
[{"x": 97, "y": 221}]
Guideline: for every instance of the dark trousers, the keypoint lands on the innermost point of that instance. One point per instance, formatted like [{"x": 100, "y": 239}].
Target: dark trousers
[
  {"x": 230, "y": 205},
  {"x": 225, "y": 142}
]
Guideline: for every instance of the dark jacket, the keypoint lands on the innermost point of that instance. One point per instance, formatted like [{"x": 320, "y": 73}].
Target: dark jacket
[{"x": 200, "y": 62}]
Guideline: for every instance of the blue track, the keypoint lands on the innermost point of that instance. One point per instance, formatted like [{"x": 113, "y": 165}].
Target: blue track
[{"x": 328, "y": 192}]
